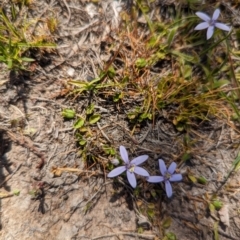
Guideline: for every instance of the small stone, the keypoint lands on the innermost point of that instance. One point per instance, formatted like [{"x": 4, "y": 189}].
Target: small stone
[
  {"x": 115, "y": 162},
  {"x": 67, "y": 217},
  {"x": 91, "y": 10},
  {"x": 71, "y": 72}
]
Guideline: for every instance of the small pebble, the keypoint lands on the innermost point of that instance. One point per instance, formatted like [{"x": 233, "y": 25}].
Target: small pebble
[{"x": 71, "y": 72}]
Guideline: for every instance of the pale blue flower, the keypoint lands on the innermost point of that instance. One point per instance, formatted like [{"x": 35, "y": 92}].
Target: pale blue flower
[
  {"x": 167, "y": 176},
  {"x": 131, "y": 167},
  {"x": 210, "y": 23}
]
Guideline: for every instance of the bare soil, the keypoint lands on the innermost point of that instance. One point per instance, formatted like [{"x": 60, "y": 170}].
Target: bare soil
[{"x": 35, "y": 140}]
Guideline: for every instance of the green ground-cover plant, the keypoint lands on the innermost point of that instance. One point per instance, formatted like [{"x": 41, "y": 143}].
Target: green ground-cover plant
[
  {"x": 16, "y": 37},
  {"x": 84, "y": 135},
  {"x": 194, "y": 96}
]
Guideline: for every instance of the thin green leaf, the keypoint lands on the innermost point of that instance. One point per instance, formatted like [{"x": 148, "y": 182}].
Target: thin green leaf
[
  {"x": 215, "y": 229},
  {"x": 192, "y": 178},
  {"x": 220, "y": 83},
  {"x": 79, "y": 123},
  {"x": 16, "y": 192},
  {"x": 68, "y": 113},
  {"x": 183, "y": 56},
  {"x": 202, "y": 180},
  {"x": 167, "y": 222},
  {"x": 111, "y": 72},
  {"x": 90, "y": 109},
  {"x": 94, "y": 118},
  {"x": 171, "y": 236},
  {"x": 26, "y": 59},
  {"x": 236, "y": 163},
  {"x": 82, "y": 142},
  {"x": 141, "y": 62},
  {"x": 10, "y": 63},
  {"x": 171, "y": 36}
]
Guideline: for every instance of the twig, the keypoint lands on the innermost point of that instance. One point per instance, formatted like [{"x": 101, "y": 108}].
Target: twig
[
  {"x": 145, "y": 135},
  {"x": 220, "y": 137},
  {"x": 226, "y": 235},
  {"x": 8, "y": 177},
  {"x": 103, "y": 133},
  {"x": 48, "y": 100},
  {"x": 69, "y": 11},
  {"x": 54, "y": 151},
  {"x": 80, "y": 30},
  {"x": 131, "y": 234},
  {"x": 6, "y": 195}
]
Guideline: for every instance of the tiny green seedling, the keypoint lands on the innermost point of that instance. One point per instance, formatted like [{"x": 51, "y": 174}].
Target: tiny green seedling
[
  {"x": 68, "y": 113},
  {"x": 82, "y": 126},
  {"x": 170, "y": 236}
]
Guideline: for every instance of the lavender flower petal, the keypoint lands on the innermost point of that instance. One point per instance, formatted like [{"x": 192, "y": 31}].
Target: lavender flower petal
[
  {"x": 155, "y": 179},
  {"x": 132, "y": 179},
  {"x": 141, "y": 171},
  {"x": 203, "y": 16},
  {"x": 175, "y": 178},
  {"x": 202, "y": 26},
  {"x": 162, "y": 167},
  {"x": 222, "y": 26},
  {"x": 216, "y": 14},
  {"x": 210, "y": 32},
  {"x": 139, "y": 160},
  {"x": 168, "y": 188},
  {"x": 117, "y": 171},
  {"x": 124, "y": 154},
  {"x": 172, "y": 168}
]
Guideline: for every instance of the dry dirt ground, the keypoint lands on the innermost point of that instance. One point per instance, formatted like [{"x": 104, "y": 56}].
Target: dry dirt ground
[{"x": 34, "y": 139}]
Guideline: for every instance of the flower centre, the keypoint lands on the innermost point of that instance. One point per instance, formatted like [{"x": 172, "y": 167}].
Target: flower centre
[
  {"x": 211, "y": 22},
  {"x": 131, "y": 168},
  {"x": 167, "y": 175}
]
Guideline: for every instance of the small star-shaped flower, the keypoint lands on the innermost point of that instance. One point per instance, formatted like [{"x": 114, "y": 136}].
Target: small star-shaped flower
[
  {"x": 167, "y": 176},
  {"x": 131, "y": 167},
  {"x": 210, "y": 23}
]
